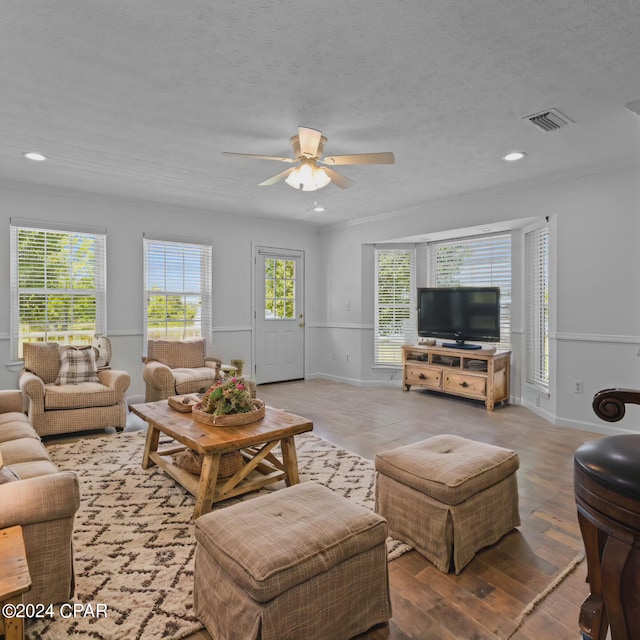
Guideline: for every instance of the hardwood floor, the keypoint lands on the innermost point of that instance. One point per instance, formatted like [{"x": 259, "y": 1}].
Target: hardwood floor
[
  {"x": 428, "y": 604},
  {"x": 491, "y": 591}
]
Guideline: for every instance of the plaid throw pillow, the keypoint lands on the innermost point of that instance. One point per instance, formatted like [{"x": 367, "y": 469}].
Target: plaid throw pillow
[
  {"x": 7, "y": 475},
  {"x": 77, "y": 365}
]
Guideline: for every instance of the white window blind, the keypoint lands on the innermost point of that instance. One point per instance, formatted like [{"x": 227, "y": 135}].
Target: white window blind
[
  {"x": 479, "y": 261},
  {"x": 537, "y": 308},
  {"x": 177, "y": 290},
  {"x": 58, "y": 286},
  {"x": 395, "y": 303}
]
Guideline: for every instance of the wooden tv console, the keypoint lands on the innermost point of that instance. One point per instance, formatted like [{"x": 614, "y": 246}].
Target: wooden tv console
[{"x": 479, "y": 374}]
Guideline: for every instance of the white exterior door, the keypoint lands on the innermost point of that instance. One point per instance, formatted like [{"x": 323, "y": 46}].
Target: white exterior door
[{"x": 279, "y": 314}]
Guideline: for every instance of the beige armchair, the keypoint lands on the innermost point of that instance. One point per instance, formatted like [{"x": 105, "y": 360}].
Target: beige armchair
[
  {"x": 67, "y": 393},
  {"x": 178, "y": 367}
]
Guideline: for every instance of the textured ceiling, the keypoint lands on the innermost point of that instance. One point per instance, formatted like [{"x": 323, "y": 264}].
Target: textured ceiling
[{"x": 137, "y": 99}]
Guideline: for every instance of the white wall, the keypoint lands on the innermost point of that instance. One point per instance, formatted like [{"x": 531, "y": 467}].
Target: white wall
[
  {"x": 595, "y": 287},
  {"x": 126, "y": 223}
]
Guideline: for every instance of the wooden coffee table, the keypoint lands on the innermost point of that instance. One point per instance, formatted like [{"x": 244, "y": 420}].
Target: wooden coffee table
[{"x": 255, "y": 441}]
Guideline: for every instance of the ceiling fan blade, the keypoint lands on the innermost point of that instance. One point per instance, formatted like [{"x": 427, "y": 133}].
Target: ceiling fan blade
[
  {"x": 309, "y": 141},
  {"x": 338, "y": 179},
  {"x": 253, "y": 155},
  {"x": 385, "y": 157},
  {"x": 273, "y": 179}
]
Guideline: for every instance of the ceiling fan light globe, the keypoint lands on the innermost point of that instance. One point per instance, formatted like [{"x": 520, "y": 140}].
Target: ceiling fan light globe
[
  {"x": 307, "y": 178},
  {"x": 321, "y": 178}
]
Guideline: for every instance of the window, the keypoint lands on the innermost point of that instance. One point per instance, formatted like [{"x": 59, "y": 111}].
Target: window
[
  {"x": 481, "y": 261},
  {"x": 279, "y": 288},
  {"x": 177, "y": 290},
  {"x": 395, "y": 303},
  {"x": 536, "y": 249},
  {"x": 58, "y": 285}
]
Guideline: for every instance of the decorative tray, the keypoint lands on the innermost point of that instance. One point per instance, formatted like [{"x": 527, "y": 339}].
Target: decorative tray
[
  {"x": 230, "y": 419},
  {"x": 184, "y": 403}
]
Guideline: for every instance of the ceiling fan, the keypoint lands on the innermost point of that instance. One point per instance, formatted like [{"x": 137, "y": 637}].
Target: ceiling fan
[{"x": 313, "y": 173}]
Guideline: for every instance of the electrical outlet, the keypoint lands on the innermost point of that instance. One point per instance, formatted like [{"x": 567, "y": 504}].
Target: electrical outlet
[
  {"x": 577, "y": 386},
  {"x": 348, "y": 357},
  {"x": 537, "y": 401},
  {"x": 349, "y": 305}
]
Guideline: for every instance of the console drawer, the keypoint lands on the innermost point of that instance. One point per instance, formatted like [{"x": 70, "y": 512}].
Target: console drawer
[
  {"x": 462, "y": 384},
  {"x": 423, "y": 376}
]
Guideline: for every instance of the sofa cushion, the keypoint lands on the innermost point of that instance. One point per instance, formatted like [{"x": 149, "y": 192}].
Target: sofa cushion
[
  {"x": 22, "y": 450},
  {"x": 13, "y": 416},
  {"x": 43, "y": 359},
  {"x": 187, "y": 354},
  {"x": 193, "y": 380},
  {"x": 78, "y": 396},
  {"x": 34, "y": 469},
  {"x": 14, "y": 426},
  {"x": 77, "y": 364},
  {"x": 274, "y": 542}
]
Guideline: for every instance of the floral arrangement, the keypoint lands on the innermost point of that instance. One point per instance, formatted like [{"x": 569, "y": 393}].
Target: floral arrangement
[{"x": 229, "y": 395}]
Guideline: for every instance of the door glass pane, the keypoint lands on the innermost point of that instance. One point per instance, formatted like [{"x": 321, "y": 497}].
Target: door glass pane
[{"x": 279, "y": 289}]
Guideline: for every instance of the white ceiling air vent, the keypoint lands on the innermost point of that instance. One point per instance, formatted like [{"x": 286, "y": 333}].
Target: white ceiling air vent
[{"x": 549, "y": 120}]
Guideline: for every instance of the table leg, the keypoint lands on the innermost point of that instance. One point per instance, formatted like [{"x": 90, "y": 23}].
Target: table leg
[
  {"x": 151, "y": 445},
  {"x": 207, "y": 484},
  {"x": 13, "y": 627},
  {"x": 290, "y": 460}
]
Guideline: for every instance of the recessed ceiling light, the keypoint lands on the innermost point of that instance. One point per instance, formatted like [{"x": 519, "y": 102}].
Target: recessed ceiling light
[
  {"x": 514, "y": 155},
  {"x": 34, "y": 155}
]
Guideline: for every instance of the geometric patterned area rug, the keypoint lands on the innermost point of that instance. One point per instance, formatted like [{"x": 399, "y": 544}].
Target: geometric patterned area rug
[{"x": 133, "y": 536}]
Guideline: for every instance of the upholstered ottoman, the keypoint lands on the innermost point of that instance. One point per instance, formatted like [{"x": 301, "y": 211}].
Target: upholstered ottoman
[
  {"x": 448, "y": 496},
  {"x": 302, "y": 562}
]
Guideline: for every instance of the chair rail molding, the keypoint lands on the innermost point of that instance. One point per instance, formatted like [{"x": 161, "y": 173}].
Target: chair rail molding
[
  {"x": 595, "y": 337},
  {"x": 339, "y": 325}
]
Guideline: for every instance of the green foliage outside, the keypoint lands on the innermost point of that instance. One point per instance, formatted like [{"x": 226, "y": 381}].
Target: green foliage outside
[
  {"x": 57, "y": 281},
  {"x": 57, "y": 292},
  {"x": 394, "y": 292},
  {"x": 449, "y": 261},
  {"x": 172, "y": 316},
  {"x": 279, "y": 288}
]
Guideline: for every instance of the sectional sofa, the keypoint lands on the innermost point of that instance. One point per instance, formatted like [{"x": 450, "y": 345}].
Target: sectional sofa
[{"x": 43, "y": 500}]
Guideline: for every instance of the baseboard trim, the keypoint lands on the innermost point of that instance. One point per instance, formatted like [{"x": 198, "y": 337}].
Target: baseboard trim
[
  {"x": 605, "y": 429},
  {"x": 353, "y": 381}
]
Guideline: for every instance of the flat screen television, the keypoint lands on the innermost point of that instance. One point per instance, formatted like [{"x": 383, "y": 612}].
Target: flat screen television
[{"x": 460, "y": 314}]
